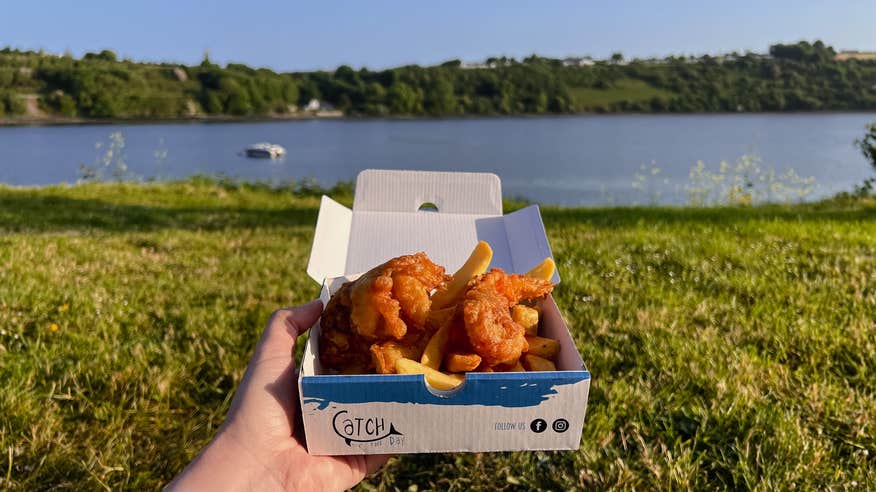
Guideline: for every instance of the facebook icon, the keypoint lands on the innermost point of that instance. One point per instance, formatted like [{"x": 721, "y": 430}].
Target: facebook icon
[{"x": 538, "y": 426}]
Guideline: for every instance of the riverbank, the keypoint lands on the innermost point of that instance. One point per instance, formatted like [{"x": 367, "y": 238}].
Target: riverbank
[
  {"x": 728, "y": 346},
  {"x": 46, "y": 120}
]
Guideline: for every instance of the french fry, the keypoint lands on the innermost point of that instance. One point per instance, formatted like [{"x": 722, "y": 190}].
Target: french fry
[
  {"x": 385, "y": 354},
  {"x": 476, "y": 264},
  {"x": 526, "y": 317},
  {"x": 436, "y": 379},
  {"x": 455, "y": 362},
  {"x": 514, "y": 366},
  {"x": 439, "y": 317},
  {"x": 434, "y": 351},
  {"x": 536, "y": 363},
  {"x": 544, "y": 270},
  {"x": 546, "y": 348}
]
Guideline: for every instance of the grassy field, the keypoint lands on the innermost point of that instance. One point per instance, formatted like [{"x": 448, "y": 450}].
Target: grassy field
[
  {"x": 730, "y": 347},
  {"x": 587, "y": 98}
]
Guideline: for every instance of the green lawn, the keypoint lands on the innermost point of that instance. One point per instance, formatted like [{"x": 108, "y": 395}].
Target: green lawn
[
  {"x": 631, "y": 90},
  {"x": 730, "y": 348}
]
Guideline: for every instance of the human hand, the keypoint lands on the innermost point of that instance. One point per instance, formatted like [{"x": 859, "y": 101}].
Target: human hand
[{"x": 260, "y": 445}]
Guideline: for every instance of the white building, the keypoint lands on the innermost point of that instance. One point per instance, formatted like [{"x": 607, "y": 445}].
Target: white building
[
  {"x": 578, "y": 62},
  {"x": 312, "y": 105}
]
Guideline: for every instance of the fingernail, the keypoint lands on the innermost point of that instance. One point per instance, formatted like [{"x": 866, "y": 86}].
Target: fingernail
[{"x": 312, "y": 303}]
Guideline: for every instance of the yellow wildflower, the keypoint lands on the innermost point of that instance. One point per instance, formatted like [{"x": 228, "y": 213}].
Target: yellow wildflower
[
  {"x": 54, "y": 327},
  {"x": 64, "y": 307}
]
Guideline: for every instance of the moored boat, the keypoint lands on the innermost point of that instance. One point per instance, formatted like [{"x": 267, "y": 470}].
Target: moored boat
[{"x": 265, "y": 150}]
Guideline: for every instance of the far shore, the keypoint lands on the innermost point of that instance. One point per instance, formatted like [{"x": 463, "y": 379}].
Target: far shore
[
  {"x": 64, "y": 120},
  {"x": 14, "y": 121}
]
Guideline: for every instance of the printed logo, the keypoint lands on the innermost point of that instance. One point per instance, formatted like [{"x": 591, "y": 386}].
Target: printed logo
[
  {"x": 561, "y": 425},
  {"x": 538, "y": 426},
  {"x": 361, "y": 429}
]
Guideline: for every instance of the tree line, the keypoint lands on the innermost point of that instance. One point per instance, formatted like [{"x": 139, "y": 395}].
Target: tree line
[{"x": 791, "y": 77}]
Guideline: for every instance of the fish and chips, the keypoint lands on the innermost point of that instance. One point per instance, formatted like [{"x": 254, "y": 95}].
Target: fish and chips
[{"x": 407, "y": 316}]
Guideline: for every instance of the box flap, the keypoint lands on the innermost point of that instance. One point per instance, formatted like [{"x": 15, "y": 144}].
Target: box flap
[
  {"x": 386, "y": 221},
  {"x": 330, "y": 240},
  {"x": 380, "y": 190},
  {"x": 527, "y": 240}
]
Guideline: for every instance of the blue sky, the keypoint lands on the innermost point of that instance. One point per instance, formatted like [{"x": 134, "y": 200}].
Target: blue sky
[{"x": 381, "y": 33}]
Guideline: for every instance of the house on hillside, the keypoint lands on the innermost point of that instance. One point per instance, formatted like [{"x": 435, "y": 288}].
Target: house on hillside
[
  {"x": 315, "y": 105},
  {"x": 320, "y": 108},
  {"x": 312, "y": 105},
  {"x": 585, "y": 61}
]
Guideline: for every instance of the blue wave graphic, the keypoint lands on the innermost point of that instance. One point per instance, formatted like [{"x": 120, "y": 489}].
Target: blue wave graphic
[{"x": 489, "y": 389}]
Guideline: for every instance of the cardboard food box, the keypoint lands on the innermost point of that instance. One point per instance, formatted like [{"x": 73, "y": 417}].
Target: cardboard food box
[{"x": 388, "y": 414}]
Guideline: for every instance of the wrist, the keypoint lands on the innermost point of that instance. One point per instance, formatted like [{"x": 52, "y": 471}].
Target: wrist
[{"x": 225, "y": 464}]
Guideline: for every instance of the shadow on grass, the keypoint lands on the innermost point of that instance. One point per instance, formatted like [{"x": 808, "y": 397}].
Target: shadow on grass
[
  {"x": 28, "y": 212},
  {"x": 47, "y": 213}
]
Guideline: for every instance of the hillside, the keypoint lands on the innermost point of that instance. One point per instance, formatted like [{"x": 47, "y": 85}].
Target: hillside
[{"x": 798, "y": 77}]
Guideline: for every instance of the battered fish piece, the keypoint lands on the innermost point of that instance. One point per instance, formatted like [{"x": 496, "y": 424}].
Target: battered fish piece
[
  {"x": 486, "y": 313},
  {"x": 390, "y": 298},
  {"x": 339, "y": 346},
  {"x": 386, "y": 303}
]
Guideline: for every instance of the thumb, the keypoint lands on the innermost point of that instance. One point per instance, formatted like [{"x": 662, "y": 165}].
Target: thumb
[
  {"x": 298, "y": 319},
  {"x": 269, "y": 379},
  {"x": 283, "y": 329}
]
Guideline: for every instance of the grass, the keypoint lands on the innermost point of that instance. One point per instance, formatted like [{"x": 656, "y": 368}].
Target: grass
[
  {"x": 629, "y": 90},
  {"x": 730, "y": 347}
]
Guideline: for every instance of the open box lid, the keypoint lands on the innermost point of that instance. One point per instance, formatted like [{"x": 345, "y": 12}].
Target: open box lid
[{"x": 389, "y": 219}]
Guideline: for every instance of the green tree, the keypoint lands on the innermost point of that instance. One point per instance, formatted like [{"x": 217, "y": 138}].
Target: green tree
[
  {"x": 239, "y": 103},
  {"x": 62, "y": 103},
  {"x": 345, "y": 103},
  {"x": 375, "y": 92},
  {"x": 404, "y": 99},
  {"x": 290, "y": 91},
  {"x": 440, "y": 99},
  {"x": 7, "y": 76},
  {"x": 258, "y": 100},
  {"x": 212, "y": 103},
  {"x": 105, "y": 105},
  {"x": 867, "y": 144},
  {"x": 105, "y": 55},
  {"x": 506, "y": 101},
  {"x": 346, "y": 74},
  {"x": 482, "y": 105},
  {"x": 13, "y": 103}
]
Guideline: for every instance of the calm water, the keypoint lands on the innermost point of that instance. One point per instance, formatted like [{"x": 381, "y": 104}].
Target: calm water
[{"x": 570, "y": 160}]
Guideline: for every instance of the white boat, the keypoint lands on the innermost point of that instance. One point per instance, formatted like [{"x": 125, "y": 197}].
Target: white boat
[{"x": 265, "y": 150}]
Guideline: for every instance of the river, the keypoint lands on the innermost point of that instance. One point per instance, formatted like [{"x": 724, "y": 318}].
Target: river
[{"x": 577, "y": 160}]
